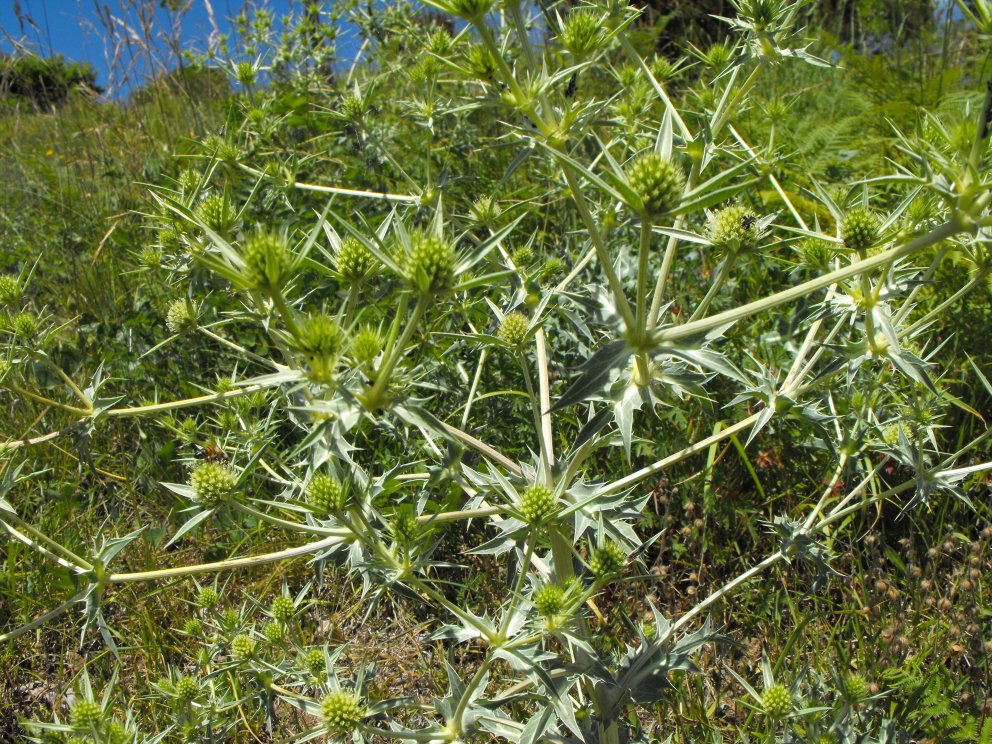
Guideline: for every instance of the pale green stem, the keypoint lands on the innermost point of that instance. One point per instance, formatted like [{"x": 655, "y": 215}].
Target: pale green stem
[
  {"x": 246, "y": 562},
  {"x": 482, "y": 447},
  {"x": 27, "y": 627},
  {"x": 475, "y": 385},
  {"x": 66, "y": 379},
  {"x": 623, "y": 306},
  {"x": 721, "y": 277},
  {"x": 535, "y": 408},
  {"x": 544, "y": 384},
  {"x": 793, "y": 293},
  {"x": 643, "y": 254},
  {"x": 47, "y": 401},
  {"x": 287, "y": 313},
  {"x": 978, "y": 278},
  {"x": 334, "y": 189},
  {"x": 80, "y": 563},
  {"x": 518, "y": 587},
  {"x": 185, "y": 403},
  {"x": 295, "y": 526},
  {"x": 395, "y": 352},
  {"x": 841, "y": 464}
]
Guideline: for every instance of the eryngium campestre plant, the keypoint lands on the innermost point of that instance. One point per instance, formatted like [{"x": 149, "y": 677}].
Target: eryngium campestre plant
[{"x": 646, "y": 372}]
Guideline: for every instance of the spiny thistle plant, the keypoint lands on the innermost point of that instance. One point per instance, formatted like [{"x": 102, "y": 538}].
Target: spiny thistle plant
[{"x": 371, "y": 316}]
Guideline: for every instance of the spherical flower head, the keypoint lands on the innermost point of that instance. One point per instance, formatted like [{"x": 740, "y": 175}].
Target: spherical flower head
[
  {"x": 854, "y": 687},
  {"x": 246, "y": 73},
  {"x": 486, "y": 210},
  {"x": 479, "y": 61},
  {"x": 657, "y": 184},
  {"x": 10, "y": 290},
  {"x": 321, "y": 340},
  {"x": 366, "y": 345},
  {"x": 353, "y": 108},
  {"x": 325, "y": 494},
  {"x": 472, "y": 11},
  {"x": 552, "y": 269},
  {"x": 549, "y": 600},
  {"x": 86, "y": 714},
  {"x": 440, "y": 43},
  {"x": 117, "y": 733},
  {"x": 429, "y": 264},
  {"x": 538, "y": 504},
  {"x": 859, "y": 229},
  {"x": 890, "y": 435},
  {"x": 283, "y": 608},
  {"x": 189, "y": 179},
  {"x": 187, "y": 689},
  {"x": 815, "y": 254},
  {"x": 193, "y": 627},
  {"x": 150, "y": 257},
  {"x": 734, "y": 229},
  {"x": 523, "y": 256},
  {"x": 582, "y": 32},
  {"x": 268, "y": 262},
  {"x": 315, "y": 663},
  {"x": 242, "y": 646},
  {"x": 181, "y": 317},
  {"x": 354, "y": 261},
  {"x": 405, "y": 527},
  {"x": 229, "y": 152},
  {"x": 662, "y": 69},
  {"x": 776, "y": 701},
  {"x": 208, "y": 598},
  {"x": 513, "y": 329},
  {"x": 341, "y": 711},
  {"x": 24, "y": 325},
  {"x": 230, "y": 619},
  {"x": 274, "y": 632},
  {"x": 920, "y": 210},
  {"x": 213, "y": 483},
  {"x": 217, "y": 213},
  {"x": 607, "y": 561},
  {"x": 718, "y": 56}
]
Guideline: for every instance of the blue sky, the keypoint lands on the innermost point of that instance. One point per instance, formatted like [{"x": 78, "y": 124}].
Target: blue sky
[{"x": 73, "y": 27}]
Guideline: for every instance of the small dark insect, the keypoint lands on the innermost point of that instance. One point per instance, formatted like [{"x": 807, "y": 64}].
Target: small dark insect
[
  {"x": 748, "y": 222},
  {"x": 573, "y": 84},
  {"x": 211, "y": 452}
]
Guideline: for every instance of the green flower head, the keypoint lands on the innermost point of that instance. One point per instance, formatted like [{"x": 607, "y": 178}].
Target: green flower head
[
  {"x": 213, "y": 484},
  {"x": 734, "y": 229},
  {"x": 342, "y": 712},
  {"x": 657, "y": 184},
  {"x": 269, "y": 263}
]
